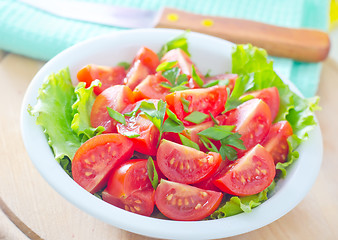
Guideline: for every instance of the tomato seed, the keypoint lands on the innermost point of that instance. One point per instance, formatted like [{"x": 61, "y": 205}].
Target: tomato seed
[
  {"x": 126, "y": 207},
  {"x": 179, "y": 202},
  {"x": 172, "y": 161},
  {"x": 138, "y": 201},
  {"x": 198, "y": 206},
  {"x": 169, "y": 197},
  {"x": 132, "y": 209},
  {"x": 137, "y": 208},
  {"x": 204, "y": 194},
  {"x": 181, "y": 166},
  {"x": 186, "y": 202}
]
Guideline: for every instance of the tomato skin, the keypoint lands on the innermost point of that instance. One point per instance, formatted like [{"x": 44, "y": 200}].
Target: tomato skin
[
  {"x": 109, "y": 76},
  {"x": 205, "y": 100},
  {"x": 144, "y": 64},
  {"x": 230, "y": 76},
  {"x": 95, "y": 159},
  {"x": 146, "y": 143},
  {"x": 252, "y": 120},
  {"x": 150, "y": 88},
  {"x": 208, "y": 183},
  {"x": 148, "y": 57},
  {"x": 183, "y": 202},
  {"x": 184, "y": 164},
  {"x": 271, "y": 97},
  {"x": 276, "y": 141},
  {"x": 249, "y": 174},
  {"x": 117, "y": 97},
  {"x": 184, "y": 63},
  {"x": 129, "y": 188}
]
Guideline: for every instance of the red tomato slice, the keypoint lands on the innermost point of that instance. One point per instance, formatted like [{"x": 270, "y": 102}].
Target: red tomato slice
[
  {"x": 184, "y": 164},
  {"x": 109, "y": 76},
  {"x": 252, "y": 120},
  {"x": 136, "y": 74},
  {"x": 146, "y": 143},
  {"x": 191, "y": 133},
  {"x": 271, "y": 97},
  {"x": 183, "y": 202},
  {"x": 230, "y": 76},
  {"x": 184, "y": 63},
  {"x": 150, "y": 88},
  {"x": 205, "y": 100},
  {"x": 208, "y": 183},
  {"x": 95, "y": 159},
  {"x": 117, "y": 97},
  {"x": 276, "y": 141},
  {"x": 249, "y": 174},
  {"x": 129, "y": 188},
  {"x": 148, "y": 57},
  {"x": 144, "y": 64}
]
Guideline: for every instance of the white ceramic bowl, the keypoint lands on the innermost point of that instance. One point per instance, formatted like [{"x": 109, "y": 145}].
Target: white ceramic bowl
[{"x": 208, "y": 53}]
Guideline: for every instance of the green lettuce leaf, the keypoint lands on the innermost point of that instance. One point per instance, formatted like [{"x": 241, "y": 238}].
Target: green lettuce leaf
[
  {"x": 238, "y": 205},
  {"x": 82, "y": 108},
  {"x": 255, "y": 73},
  {"x": 177, "y": 42},
  {"x": 55, "y": 114}
]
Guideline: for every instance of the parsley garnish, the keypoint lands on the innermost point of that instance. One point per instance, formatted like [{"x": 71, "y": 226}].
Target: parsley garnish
[
  {"x": 152, "y": 173},
  {"x": 227, "y": 138},
  {"x": 176, "y": 80}
]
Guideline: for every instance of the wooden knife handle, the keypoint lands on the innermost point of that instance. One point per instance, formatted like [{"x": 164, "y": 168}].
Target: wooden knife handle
[{"x": 300, "y": 44}]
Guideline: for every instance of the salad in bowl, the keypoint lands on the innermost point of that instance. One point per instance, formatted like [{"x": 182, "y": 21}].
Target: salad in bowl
[{"x": 172, "y": 132}]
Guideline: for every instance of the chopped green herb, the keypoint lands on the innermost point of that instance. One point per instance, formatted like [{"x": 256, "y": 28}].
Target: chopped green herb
[
  {"x": 208, "y": 74},
  {"x": 213, "y": 119},
  {"x": 126, "y": 65},
  {"x": 187, "y": 142},
  {"x": 116, "y": 116},
  {"x": 152, "y": 173},
  {"x": 217, "y": 132},
  {"x": 176, "y": 80},
  {"x": 131, "y": 134},
  {"x": 196, "y": 78},
  {"x": 166, "y": 66},
  {"x": 196, "y": 117},
  {"x": 185, "y": 104}
]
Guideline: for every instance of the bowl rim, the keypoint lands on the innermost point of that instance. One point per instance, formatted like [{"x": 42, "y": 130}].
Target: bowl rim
[{"x": 301, "y": 171}]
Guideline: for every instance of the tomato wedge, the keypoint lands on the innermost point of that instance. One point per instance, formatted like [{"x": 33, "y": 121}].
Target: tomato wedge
[
  {"x": 129, "y": 188},
  {"x": 183, "y": 202},
  {"x": 184, "y": 63},
  {"x": 271, "y": 97},
  {"x": 205, "y": 100},
  {"x": 144, "y": 64},
  {"x": 276, "y": 141},
  {"x": 184, "y": 164},
  {"x": 117, "y": 97},
  {"x": 147, "y": 140},
  {"x": 150, "y": 88},
  {"x": 109, "y": 76},
  {"x": 95, "y": 159},
  {"x": 252, "y": 120},
  {"x": 249, "y": 174}
]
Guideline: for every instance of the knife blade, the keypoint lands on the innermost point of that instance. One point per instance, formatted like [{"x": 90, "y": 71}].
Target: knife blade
[{"x": 308, "y": 45}]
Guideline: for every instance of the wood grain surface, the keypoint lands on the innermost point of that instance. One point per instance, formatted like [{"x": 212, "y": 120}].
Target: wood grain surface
[{"x": 51, "y": 217}]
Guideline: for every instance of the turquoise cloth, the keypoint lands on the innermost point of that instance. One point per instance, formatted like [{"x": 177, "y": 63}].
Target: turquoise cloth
[{"x": 33, "y": 33}]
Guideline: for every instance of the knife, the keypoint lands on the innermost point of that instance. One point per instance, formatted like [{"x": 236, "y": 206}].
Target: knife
[{"x": 307, "y": 45}]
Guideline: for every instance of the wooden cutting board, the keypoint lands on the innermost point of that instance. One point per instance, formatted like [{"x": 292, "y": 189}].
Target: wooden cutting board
[{"x": 50, "y": 216}]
